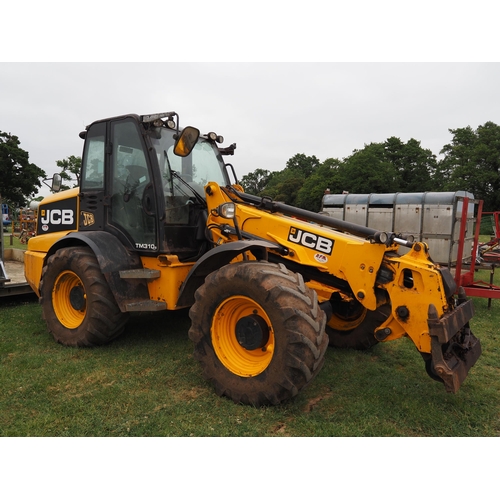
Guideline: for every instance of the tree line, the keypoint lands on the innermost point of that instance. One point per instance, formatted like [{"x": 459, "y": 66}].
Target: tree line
[
  {"x": 471, "y": 162},
  {"x": 20, "y": 179}
]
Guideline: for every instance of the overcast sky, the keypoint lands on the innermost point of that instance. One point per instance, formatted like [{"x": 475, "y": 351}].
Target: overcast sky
[{"x": 271, "y": 110}]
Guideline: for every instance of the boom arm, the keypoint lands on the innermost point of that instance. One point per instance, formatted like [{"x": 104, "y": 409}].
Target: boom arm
[{"x": 363, "y": 265}]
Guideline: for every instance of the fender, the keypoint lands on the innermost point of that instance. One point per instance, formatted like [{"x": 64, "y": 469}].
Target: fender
[
  {"x": 112, "y": 257},
  {"x": 215, "y": 259}
]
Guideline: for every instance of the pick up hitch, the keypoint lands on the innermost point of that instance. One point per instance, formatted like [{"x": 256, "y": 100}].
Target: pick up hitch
[{"x": 455, "y": 349}]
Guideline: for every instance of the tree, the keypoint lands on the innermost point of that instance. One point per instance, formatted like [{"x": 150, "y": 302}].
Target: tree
[
  {"x": 368, "y": 171},
  {"x": 302, "y": 164},
  {"x": 285, "y": 185},
  {"x": 379, "y": 167},
  {"x": 19, "y": 179},
  {"x": 414, "y": 165},
  {"x": 324, "y": 177},
  {"x": 70, "y": 166},
  {"x": 388, "y": 167},
  {"x": 472, "y": 163},
  {"x": 255, "y": 182}
]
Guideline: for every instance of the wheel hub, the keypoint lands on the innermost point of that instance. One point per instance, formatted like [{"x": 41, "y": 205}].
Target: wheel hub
[
  {"x": 77, "y": 298},
  {"x": 69, "y": 299},
  {"x": 252, "y": 332},
  {"x": 242, "y": 336}
]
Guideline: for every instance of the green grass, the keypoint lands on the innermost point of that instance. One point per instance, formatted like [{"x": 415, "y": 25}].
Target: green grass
[
  {"x": 146, "y": 383},
  {"x": 12, "y": 241}
]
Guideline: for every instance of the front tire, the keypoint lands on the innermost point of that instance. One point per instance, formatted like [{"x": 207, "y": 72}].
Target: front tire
[
  {"x": 76, "y": 300},
  {"x": 352, "y": 326},
  {"x": 259, "y": 333}
]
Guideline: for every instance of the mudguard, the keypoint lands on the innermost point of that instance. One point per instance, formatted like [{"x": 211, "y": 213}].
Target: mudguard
[
  {"x": 112, "y": 257},
  {"x": 215, "y": 259}
]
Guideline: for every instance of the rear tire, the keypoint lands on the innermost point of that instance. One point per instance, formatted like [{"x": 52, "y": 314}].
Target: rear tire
[
  {"x": 259, "y": 333},
  {"x": 361, "y": 336},
  {"x": 76, "y": 300}
]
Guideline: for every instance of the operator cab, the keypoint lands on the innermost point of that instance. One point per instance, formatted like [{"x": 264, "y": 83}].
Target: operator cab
[{"x": 143, "y": 181}]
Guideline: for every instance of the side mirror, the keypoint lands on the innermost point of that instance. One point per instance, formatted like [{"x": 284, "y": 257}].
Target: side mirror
[
  {"x": 186, "y": 141},
  {"x": 56, "y": 183}
]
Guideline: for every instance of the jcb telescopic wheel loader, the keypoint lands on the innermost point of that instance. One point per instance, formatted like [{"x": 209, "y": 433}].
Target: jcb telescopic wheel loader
[{"x": 160, "y": 222}]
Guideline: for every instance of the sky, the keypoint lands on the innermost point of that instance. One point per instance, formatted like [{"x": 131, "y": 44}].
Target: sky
[
  {"x": 271, "y": 110},
  {"x": 277, "y": 82}
]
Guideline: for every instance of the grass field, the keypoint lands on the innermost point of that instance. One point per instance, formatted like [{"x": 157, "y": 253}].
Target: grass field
[
  {"x": 12, "y": 241},
  {"x": 146, "y": 383}
]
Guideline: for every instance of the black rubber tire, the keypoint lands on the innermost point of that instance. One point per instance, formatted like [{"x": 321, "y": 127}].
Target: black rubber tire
[
  {"x": 362, "y": 337},
  {"x": 98, "y": 319},
  {"x": 297, "y": 323}
]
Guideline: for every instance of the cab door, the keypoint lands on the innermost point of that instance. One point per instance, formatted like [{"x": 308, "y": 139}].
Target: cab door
[{"x": 132, "y": 206}]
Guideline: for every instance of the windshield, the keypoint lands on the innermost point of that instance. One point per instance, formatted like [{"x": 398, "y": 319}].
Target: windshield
[{"x": 203, "y": 165}]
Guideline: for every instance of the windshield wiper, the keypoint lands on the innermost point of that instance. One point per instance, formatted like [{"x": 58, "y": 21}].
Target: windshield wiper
[
  {"x": 173, "y": 174},
  {"x": 191, "y": 188}
]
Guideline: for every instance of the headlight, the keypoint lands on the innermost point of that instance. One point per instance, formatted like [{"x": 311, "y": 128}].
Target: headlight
[
  {"x": 215, "y": 138},
  {"x": 227, "y": 210},
  {"x": 381, "y": 237}
]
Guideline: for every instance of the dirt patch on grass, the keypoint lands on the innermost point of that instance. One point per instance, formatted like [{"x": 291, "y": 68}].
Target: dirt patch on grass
[{"x": 312, "y": 403}]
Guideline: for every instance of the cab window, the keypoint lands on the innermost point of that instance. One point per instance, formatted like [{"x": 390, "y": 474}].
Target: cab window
[{"x": 93, "y": 158}]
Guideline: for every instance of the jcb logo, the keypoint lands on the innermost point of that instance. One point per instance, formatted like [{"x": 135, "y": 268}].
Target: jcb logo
[
  {"x": 311, "y": 240},
  {"x": 57, "y": 216},
  {"x": 88, "y": 218},
  {"x": 60, "y": 215}
]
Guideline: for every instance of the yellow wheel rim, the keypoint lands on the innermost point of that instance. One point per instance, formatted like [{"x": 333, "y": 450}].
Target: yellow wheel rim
[
  {"x": 69, "y": 300},
  {"x": 346, "y": 324},
  {"x": 242, "y": 336}
]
